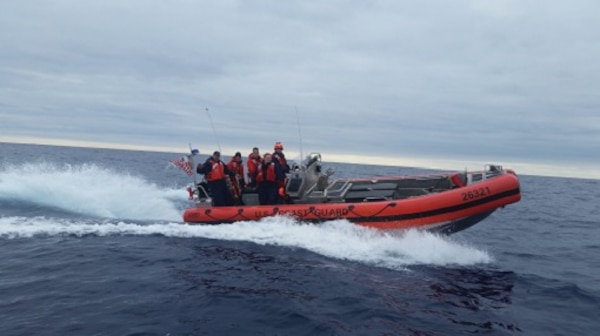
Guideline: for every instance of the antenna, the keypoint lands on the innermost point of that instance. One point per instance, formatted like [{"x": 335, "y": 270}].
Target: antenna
[
  {"x": 213, "y": 128},
  {"x": 299, "y": 135},
  {"x": 191, "y": 158}
]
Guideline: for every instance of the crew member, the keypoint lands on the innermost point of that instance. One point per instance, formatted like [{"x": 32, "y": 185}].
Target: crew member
[
  {"x": 215, "y": 171},
  {"x": 237, "y": 166},
  {"x": 268, "y": 174},
  {"x": 279, "y": 157},
  {"x": 254, "y": 160}
]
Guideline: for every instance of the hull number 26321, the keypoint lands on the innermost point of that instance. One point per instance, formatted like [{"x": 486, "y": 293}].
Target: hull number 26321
[{"x": 475, "y": 193}]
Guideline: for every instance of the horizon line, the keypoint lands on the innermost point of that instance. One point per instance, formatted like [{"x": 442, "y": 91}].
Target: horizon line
[{"x": 521, "y": 168}]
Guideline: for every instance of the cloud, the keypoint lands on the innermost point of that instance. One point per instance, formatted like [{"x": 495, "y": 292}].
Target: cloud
[{"x": 511, "y": 80}]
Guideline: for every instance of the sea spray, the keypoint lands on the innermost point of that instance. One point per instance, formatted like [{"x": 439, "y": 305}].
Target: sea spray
[
  {"x": 338, "y": 239},
  {"x": 89, "y": 189}
]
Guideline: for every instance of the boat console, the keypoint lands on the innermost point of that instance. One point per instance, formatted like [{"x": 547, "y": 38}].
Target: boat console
[{"x": 307, "y": 184}]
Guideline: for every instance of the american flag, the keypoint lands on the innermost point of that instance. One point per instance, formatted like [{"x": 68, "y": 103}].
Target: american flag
[{"x": 183, "y": 164}]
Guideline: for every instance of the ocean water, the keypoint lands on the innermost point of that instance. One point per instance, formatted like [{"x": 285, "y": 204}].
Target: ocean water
[{"x": 92, "y": 243}]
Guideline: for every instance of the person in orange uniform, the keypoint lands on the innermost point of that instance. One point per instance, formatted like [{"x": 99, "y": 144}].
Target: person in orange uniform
[
  {"x": 279, "y": 159},
  {"x": 268, "y": 174},
  {"x": 254, "y": 160},
  {"x": 237, "y": 166},
  {"x": 215, "y": 170}
]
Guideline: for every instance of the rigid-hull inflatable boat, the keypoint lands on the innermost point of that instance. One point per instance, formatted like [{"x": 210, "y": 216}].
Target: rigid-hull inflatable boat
[{"x": 444, "y": 203}]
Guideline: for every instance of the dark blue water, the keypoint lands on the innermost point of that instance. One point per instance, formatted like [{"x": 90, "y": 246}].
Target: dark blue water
[{"x": 92, "y": 244}]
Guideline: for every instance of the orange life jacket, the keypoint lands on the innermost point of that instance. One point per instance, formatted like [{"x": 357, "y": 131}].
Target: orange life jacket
[
  {"x": 252, "y": 164},
  {"x": 236, "y": 167},
  {"x": 266, "y": 173},
  {"x": 217, "y": 172}
]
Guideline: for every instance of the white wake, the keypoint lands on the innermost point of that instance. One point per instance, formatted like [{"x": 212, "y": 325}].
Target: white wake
[
  {"x": 88, "y": 189},
  {"x": 336, "y": 239}
]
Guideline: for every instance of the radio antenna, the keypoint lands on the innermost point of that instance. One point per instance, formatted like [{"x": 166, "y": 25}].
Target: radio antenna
[
  {"x": 299, "y": 134},
  {"x": 213, "y": 128}
]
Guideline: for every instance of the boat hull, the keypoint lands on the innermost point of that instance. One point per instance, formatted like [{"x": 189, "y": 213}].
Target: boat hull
[{"x": 445, "y": 212}]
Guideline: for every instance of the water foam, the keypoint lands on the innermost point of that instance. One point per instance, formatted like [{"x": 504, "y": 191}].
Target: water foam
[
  {"x": 336, "y": 239},
  {"x": 90, "y": 190}
]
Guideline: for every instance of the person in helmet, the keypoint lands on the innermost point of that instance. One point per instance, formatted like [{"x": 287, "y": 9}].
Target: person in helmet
[{"x": 279, "y": 157}]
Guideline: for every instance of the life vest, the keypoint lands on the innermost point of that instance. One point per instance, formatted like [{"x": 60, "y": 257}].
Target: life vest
[
  {"x": 236, "y": 167},
  {"x": 252, "y": 164},
  {"x": 266, "y": 173},
  {"x": 217, "y": 172}
]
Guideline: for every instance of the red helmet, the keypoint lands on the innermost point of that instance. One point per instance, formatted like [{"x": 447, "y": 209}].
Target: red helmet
[{"x": 278, "y": 145}]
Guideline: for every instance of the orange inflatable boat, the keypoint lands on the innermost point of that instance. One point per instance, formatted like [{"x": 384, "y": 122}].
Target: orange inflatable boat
[{"x": 444, "y": 203}]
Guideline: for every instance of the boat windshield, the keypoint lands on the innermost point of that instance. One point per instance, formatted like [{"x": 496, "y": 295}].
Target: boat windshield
[{"x": 312, "y": 158}]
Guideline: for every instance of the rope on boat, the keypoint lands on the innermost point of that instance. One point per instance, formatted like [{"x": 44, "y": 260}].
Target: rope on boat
[
  {"x": 239, "y": 215},
  {"x": 389, "y": 205},
  {"x": 231, "y": 219}
]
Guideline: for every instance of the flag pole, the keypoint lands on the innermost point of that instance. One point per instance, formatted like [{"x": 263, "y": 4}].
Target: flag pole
[{"x": 191, "y": 158}]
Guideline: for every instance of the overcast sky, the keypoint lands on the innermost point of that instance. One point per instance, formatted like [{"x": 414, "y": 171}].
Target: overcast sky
[{"x": 515, "y": 82}]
